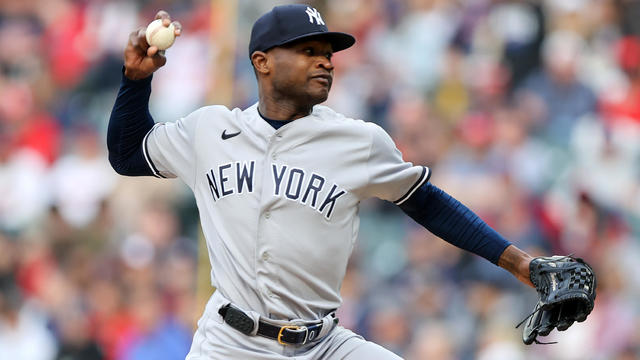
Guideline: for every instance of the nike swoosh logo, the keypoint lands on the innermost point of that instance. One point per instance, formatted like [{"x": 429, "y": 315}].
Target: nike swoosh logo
[{"x": 226, "y": 136}]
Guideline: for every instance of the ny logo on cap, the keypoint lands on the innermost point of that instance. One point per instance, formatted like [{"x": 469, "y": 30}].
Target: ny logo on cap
[{"x": 314, "y": 14}]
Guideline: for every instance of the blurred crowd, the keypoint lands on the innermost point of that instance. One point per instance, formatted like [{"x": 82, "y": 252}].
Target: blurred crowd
[{"x": 526, "y": 111}]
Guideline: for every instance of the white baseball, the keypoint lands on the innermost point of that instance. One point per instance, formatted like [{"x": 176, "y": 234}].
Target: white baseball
[{"x": 159, "y": 35}]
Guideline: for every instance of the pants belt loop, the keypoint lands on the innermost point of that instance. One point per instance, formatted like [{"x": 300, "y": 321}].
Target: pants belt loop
[
  {"x": 256, "y": 318},
  {"x": 328, "y": 322}
]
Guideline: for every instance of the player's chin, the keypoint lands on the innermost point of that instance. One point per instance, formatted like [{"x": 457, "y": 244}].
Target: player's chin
[{"x": 319, "y": 95}]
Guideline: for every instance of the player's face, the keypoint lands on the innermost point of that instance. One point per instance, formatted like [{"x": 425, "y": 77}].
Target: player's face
[{"x": 303, "y": 71}]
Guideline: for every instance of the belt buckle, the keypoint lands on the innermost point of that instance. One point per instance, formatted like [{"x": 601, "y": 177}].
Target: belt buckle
[{"x": 292, "y": 327}]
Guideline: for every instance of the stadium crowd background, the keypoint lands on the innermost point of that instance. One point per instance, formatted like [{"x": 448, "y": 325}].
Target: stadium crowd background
[{"x": 526, "y": 111}]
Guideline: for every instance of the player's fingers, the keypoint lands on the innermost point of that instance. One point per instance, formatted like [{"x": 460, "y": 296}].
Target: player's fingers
[
  {"x": 141, "y": 40},
  {"x": 133, "y": 37},
  {"x": 178, "y": 28},
  {"x": 163, "y": 15},
  {"x": 152, "y": 50},
  {"x": 159, "y": 59}
]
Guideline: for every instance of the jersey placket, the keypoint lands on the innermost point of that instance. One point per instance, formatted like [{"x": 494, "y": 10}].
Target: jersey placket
[{"x": 265, "y": 267}]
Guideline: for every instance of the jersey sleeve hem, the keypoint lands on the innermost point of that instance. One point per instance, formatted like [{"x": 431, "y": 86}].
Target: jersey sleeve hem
[
  {"x": 145, "y": 152},
  {"x": 424, "y": 177}
]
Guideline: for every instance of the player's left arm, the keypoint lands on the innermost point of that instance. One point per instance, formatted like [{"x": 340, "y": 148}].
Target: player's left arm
[
  {"x": 517, "y": 263},
  {"x": 566, "y": 286},
  {"x": 453, "y": 222},
  {"x": 393, "y": 179}
]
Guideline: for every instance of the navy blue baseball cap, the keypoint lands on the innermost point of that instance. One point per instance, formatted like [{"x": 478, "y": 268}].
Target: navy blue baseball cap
[{"x": 288, "y": 23}]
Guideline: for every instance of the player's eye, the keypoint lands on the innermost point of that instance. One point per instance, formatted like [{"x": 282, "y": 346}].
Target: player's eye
[
  {"x": 328, "y": 55},
  {"x": 309, "y": 51}
]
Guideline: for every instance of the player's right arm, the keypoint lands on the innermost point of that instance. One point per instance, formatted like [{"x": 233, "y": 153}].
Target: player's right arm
[
  {"x": 141, "y": 59},
  {"x": 130, "y": 120}
]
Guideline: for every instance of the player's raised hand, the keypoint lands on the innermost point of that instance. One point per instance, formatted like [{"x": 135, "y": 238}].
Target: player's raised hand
[{"x": 142, "y": 59}]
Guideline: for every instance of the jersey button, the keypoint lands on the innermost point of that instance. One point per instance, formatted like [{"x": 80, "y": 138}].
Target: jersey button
[
  {"x": 265, "y": 256},
  {"x": 274, "y": 156},
  {"x": 267, "y": 214}
]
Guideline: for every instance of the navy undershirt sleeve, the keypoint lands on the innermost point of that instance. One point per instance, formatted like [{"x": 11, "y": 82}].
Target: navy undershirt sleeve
[
  {"x": 129, "y": 122},
  {"x": 453, "y": 222}
]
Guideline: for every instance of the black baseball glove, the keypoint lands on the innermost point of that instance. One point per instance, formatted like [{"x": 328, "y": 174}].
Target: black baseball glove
[{"x": 566, "y": 291}]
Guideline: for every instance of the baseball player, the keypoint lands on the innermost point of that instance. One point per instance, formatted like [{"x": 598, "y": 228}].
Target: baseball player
[{"x": 278, "y": 186}]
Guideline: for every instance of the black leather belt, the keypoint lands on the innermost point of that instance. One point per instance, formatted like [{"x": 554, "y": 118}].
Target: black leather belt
[{"x": 285, "y": 335}]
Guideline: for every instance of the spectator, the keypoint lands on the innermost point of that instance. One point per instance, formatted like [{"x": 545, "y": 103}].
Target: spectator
[
  {"x": 527, "y": 110},
  {"x": 21, "y": 327},
  {"x": 555, "y": 97}
]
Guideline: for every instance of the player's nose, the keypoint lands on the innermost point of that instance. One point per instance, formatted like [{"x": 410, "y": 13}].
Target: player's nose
[{"x": 325, "y": 63}]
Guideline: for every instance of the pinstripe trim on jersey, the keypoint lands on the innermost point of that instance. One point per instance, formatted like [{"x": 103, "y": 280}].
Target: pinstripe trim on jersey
[
  {"x": 424, "y": 177},
  {"x": 145, "y": 152}
]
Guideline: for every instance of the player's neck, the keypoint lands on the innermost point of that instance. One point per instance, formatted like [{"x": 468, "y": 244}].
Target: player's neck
[{"x": 281, "y": 109}]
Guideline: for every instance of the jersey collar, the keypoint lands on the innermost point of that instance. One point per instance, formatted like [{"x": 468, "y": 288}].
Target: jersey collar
[
  {"x": 261, "y": 126},
  {"x": 256, "y": 124}
]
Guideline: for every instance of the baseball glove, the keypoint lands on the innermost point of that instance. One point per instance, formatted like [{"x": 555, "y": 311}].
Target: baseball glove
[{"x": 566, "y": 291}]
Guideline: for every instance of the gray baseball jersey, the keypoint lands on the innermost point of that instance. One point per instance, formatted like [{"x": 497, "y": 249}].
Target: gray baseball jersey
[{"x": 279, "y": 208}]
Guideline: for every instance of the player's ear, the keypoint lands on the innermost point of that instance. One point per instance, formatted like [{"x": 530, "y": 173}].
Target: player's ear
[{"x": 260, "y": 62}]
